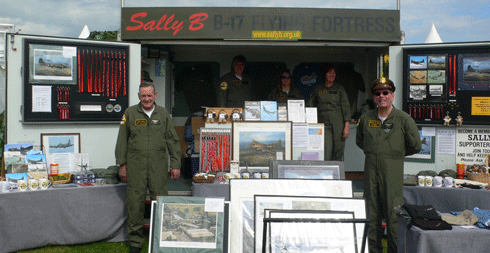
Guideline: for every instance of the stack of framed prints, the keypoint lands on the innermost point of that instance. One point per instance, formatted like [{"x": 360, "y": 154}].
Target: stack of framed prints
[
  {"x": 242, "y": 192},
  {"x": 187, "y": 224},
  {"x": 307, "y": 169},
  {"x": 348, "y": 237}
]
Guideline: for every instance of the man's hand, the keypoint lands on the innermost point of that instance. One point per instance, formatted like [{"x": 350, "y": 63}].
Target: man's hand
[
  {"x": 123, "y": 174},
  {"x": 175, "y": 173}
]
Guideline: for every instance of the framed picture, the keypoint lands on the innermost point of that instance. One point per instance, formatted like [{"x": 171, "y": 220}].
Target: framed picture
[
  {"x": 52, "y": 64},
  {"x": 320, "y": 236},
  {"x": 256, "y": 143},
  {"x": 307, "y": 169},
  {"x": 296, "y": 203},
  {"x": 187, "y": 223},
  {"x": 60, "y": 143},
  {"x": 427, "y": 154},
  {"x": 474, "y": 72},
  {"x": 242, "y": 193}
]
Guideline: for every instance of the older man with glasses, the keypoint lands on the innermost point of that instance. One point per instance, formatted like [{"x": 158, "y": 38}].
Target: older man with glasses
[{"x": 386, "y": 135}]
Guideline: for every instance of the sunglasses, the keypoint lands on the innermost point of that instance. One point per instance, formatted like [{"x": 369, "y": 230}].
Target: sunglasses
[
  {"x": 286, "y": 77},
  {"x": 377, "y": 93}
]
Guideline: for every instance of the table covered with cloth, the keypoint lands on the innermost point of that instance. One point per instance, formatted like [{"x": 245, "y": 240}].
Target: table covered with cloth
[{"x": 62, "y": 216}]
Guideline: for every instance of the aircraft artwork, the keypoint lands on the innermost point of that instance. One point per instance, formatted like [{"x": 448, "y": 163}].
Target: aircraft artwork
[
  {"x": 265, "y": 147},
  {"x": 52, "y": 65},
  {"x": 417, "y": 62},
  {"x": 62, "y": 145}
]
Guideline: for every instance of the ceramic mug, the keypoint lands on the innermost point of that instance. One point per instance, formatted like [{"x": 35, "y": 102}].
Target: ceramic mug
[
  {"x": 44, "y": 184},
  {"x": 4, "y": 186},
  {"x": 33, "y": 184},
  {"x": 428, "y": 180},
  {"x": 421, "y": 180},
  {"x": 448, "y": 182},
  {"x": 22, "y": 185},
  {"x": 437, "y": 181}
]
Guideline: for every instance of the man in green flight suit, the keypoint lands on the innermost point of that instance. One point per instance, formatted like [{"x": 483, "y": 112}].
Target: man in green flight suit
[
  {"x": 146, "y": 133},
  {"x": 386, "y": 135},
  {"x": 235, "y": 87}
]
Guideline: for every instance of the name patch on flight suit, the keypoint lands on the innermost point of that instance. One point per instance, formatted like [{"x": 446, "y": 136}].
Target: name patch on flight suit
[
  {"x": 332, "y": 92},
  {"x": 140, "y": 122},
  {"x": 374, "y": 123},
  {"x": 155, "y": 122},
  {"x": 387, "y": 127},
  {"x": 322, "y": 92},
  {"x": 281, "y": 96}
]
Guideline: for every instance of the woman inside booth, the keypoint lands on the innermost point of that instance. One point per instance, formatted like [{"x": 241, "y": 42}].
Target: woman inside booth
[
  {"x": 285, "y": 90},
  {"x": 333, "y": 109}
]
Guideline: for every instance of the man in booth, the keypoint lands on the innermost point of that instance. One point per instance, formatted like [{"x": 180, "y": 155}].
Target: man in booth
[
  {"x": 235, "y": 87},
  {"x": 386, "y": 135},
  {"x": 146, "y": 133}
]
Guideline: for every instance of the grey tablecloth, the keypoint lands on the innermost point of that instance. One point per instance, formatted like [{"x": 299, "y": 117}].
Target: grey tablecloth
[
  {"x": 33, "y": 219},
  {"x": 447, "y": 199},
  {"x": 457, "y": 240},
  {"x": 211, "y": 190}
]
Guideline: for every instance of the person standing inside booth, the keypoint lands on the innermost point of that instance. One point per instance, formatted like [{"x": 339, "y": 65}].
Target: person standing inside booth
[
  {"x": 333, "y": 108},
  {"x": 386, "y": 135},
  {"x": 146, "y": 134},
  {"x": 285, "y": 90},
  {"x": 235, "y": 87}
]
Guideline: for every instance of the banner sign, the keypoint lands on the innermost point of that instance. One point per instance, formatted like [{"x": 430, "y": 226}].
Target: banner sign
[
  {"x": 241, "y": 23},
  {"x": 472, "y": 145}
]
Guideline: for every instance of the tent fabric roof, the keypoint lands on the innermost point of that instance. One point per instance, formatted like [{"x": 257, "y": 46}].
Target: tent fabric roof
[{"x": 433, "y": 36}]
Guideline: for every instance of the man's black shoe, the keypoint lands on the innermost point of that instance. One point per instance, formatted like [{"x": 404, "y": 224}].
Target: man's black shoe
[{"x": 134, "y": 250}]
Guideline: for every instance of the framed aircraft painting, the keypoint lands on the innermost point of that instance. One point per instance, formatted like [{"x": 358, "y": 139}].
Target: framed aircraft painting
[
  {"x": 256, "y": 143},
  {"x": 60, "y": 143}
]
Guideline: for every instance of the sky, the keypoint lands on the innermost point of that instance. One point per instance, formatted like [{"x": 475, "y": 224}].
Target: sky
[{"x": 455, "y": 20}]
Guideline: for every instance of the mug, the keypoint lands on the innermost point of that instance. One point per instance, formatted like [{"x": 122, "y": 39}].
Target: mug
[
  {"x": 245, "y": 175},
  {"x": 44, "y": 183},
  {"x": 4, "y": 186},
  {"x": 33, "y": 184},
  {"x": 437, "y": 181},
  {"x": 421, "y": 180},
  {"x": 22, "y": 185},
  {"x": 428, "y": 180},
  {"x": 448, "y": 182}
]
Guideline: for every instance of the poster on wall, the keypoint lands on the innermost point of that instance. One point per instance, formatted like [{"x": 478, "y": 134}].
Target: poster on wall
[{"x": 472, "y": 145}]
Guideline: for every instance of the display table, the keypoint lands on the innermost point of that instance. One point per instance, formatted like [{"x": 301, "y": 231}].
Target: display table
[
  {"x": 62, "y": 216},
  {"x": 459, "y": 239},
  {"x": 211, "y": 190},
  {"x": 447, "y": 200}
]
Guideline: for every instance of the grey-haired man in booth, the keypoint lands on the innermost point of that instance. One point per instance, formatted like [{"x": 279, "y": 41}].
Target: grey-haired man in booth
[{"x": 386, "y": 135}]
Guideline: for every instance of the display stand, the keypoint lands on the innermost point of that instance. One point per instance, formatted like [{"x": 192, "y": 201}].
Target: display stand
[{"x": 268, "y": 221}]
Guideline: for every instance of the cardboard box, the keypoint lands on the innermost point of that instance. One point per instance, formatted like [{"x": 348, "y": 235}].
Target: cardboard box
[
  {"x": 183, "y": 144},
  {"x": 197, "y": 123}
]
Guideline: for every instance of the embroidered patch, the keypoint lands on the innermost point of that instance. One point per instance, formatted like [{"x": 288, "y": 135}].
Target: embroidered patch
[
  {"x": 223, "y": 85},
  {"x": 322, "y": 92},
  {"x": 140, "y": 122},
  {"x": 123, "y": 120},
  {"x": 155, "y": 122},
  {"x": 374, "y": 123}
]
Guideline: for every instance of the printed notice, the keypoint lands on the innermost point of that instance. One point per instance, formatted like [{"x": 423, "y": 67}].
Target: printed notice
[
  {"x": 446, "y": 141},
  {"x": 214, "y": 205},
  {"x": 41, "y": 98},
  {"x": 480, "y": 106}
]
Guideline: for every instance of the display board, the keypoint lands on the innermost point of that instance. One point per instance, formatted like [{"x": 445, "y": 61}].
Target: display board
[
  {"x": 447, "y": 85},
  {"x": 74, "y": 82}
]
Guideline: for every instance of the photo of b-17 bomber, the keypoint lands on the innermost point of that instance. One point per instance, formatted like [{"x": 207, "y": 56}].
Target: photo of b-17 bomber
[
  {"x": 258, "y": 148},
  {"x": 188, "y": 223}
]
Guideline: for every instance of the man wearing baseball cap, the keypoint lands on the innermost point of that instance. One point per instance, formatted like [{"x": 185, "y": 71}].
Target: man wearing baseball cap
[{"x": 386, "y": 135}]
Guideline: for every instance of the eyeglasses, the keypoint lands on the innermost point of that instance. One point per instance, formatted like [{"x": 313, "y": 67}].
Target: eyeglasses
[
  {"x": 384, "y": 93},
  {"x": 286, "y": 77}
]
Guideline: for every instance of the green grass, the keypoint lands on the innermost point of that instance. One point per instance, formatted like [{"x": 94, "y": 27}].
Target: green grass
[{"x": 106, "y": 247}]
